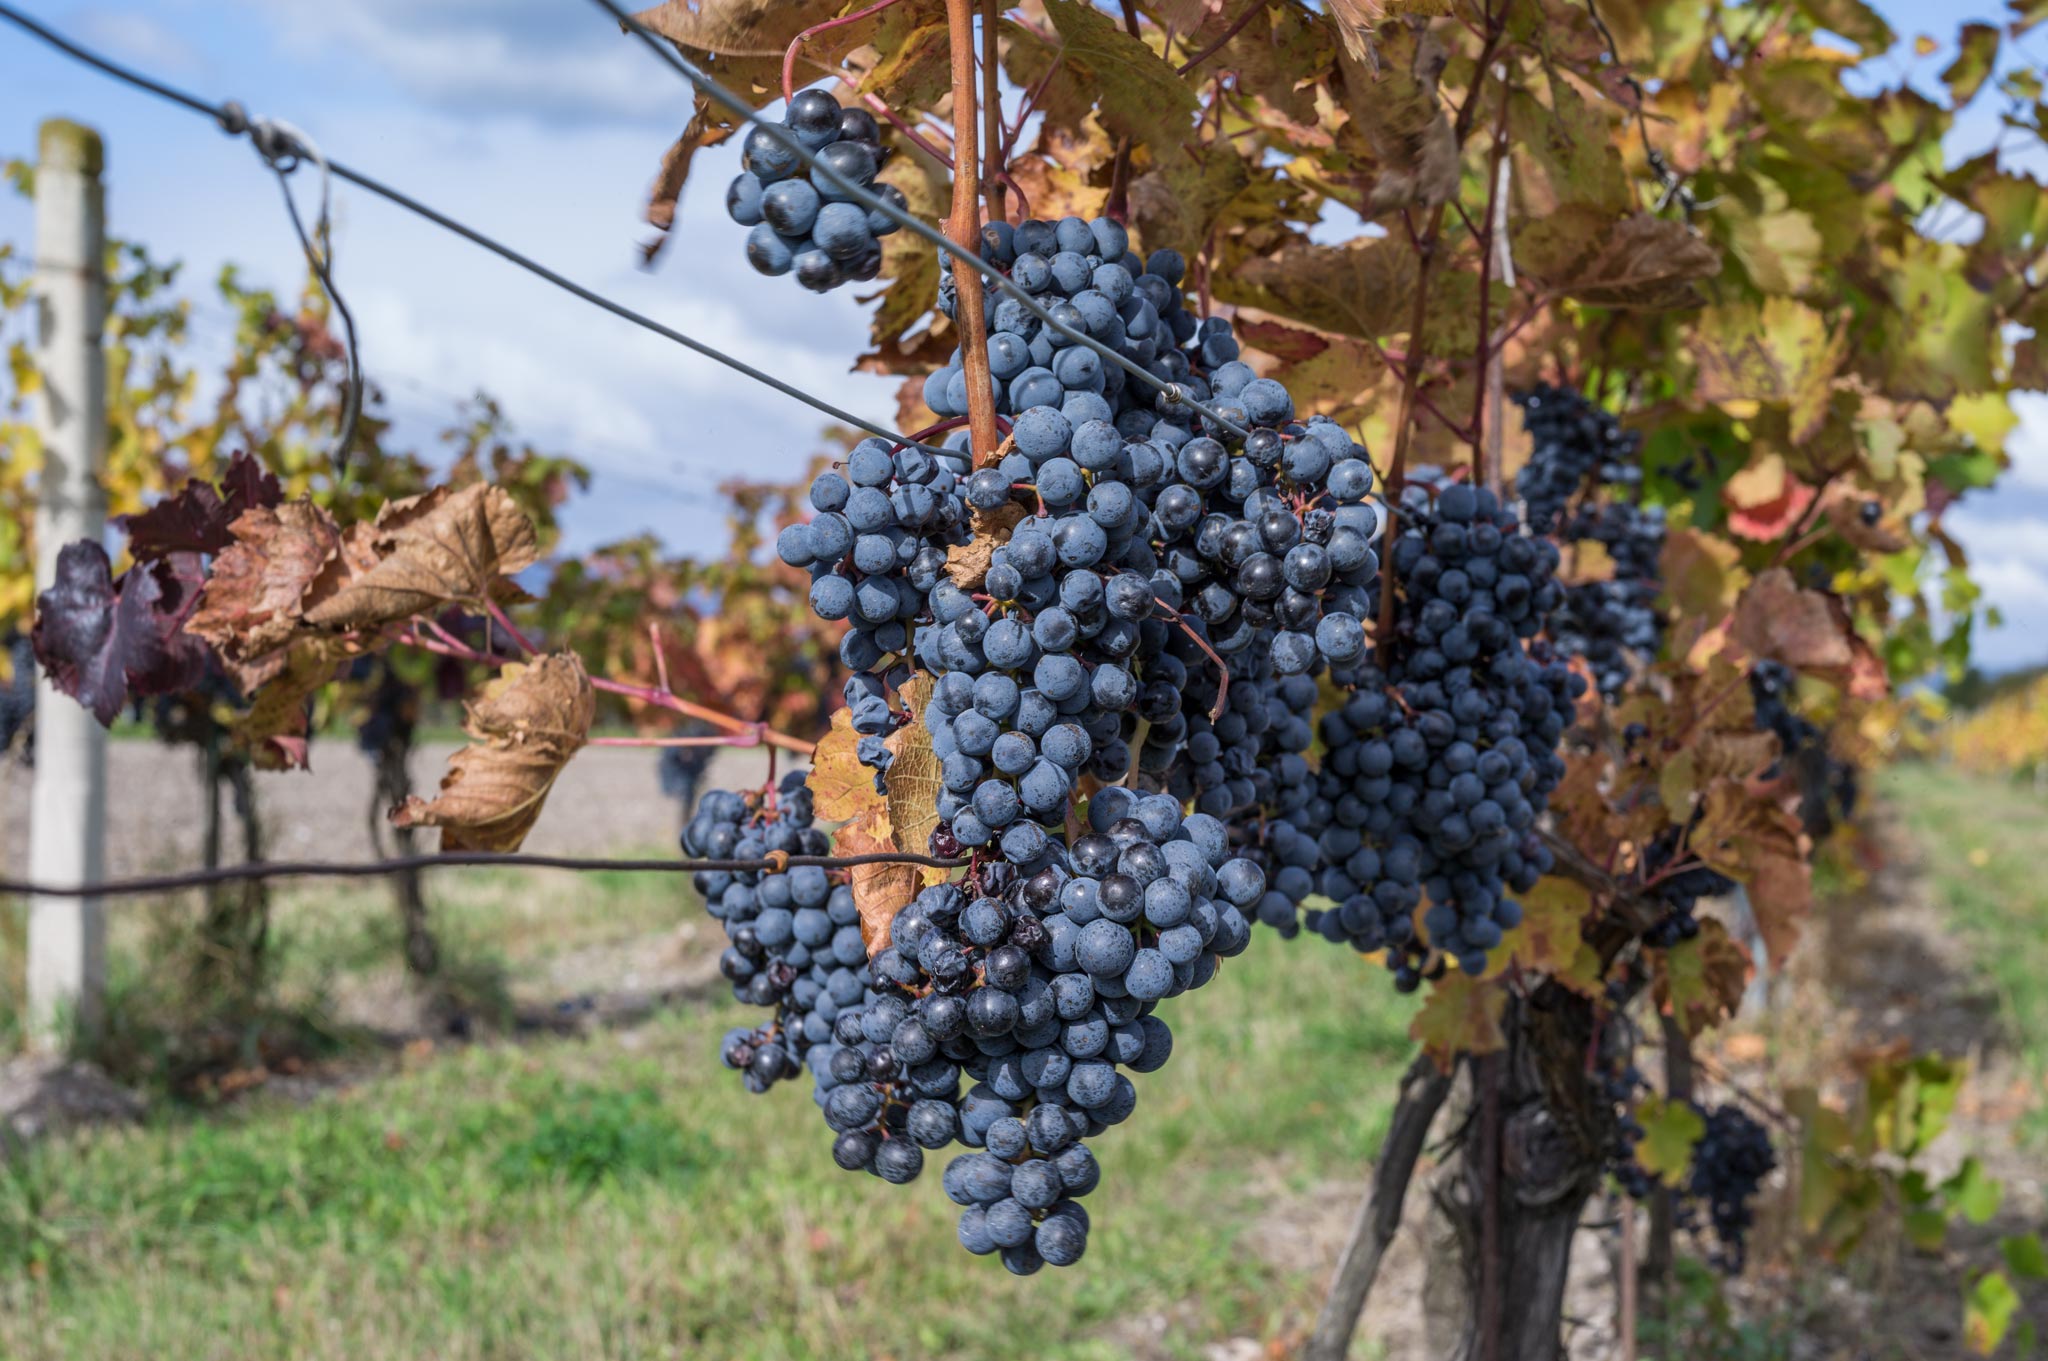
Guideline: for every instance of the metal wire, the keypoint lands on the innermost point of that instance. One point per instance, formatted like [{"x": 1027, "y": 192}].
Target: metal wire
[
  {"x": 280, "y": 145},
  {"x": 1175, "y": 393},
  {"x": 233, "y": 120},
  {"x": 326, "y": 869}
]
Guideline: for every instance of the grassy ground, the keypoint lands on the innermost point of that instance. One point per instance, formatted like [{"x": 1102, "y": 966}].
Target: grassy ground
[
  {"x": 621, "y": 1196},
  {"x": 1983, "y": 844}
]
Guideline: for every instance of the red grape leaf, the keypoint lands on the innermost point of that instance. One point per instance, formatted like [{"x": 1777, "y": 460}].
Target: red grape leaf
[
  {"x": 199, "y": 518},
  {"x": 102, "y": 641}
]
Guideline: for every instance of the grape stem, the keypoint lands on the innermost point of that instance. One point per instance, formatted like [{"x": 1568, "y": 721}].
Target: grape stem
[
  {"x": 796, "y": 43},
  {"x": 446, "y": 645},
  {"x": 965, "y": 229},
  {"x": 1223, "y": 686}
]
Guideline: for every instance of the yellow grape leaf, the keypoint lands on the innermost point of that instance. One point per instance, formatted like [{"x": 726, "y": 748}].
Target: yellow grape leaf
[
  {"x": 1701, "y": 573},
  {"x": 1549, "y": 939},
  {"x": 527, "y": 723},
  {"x": 1460, "y": 1016},
  {"x": 1988, "y": 1312},
  {"x": 1699, "y": 982},
  {"x": 914, "y": 782},
  {"x": 1671, "y": 1130},
  {"x": 879, "y": 891},
  {"x": 841, "y": 787}
]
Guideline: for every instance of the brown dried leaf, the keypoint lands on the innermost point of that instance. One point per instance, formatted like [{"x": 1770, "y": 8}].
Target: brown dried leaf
[
  {"x": 1776, "y": 619},
  {"x": 914, "y": 783},
  {"x": 1395, "y": 106},
  {"x": 254, "y": 599},
  {"x": 1364, "y": 288},
  {"x": 1845, "y": 517},
  {"x": 276, "y": 728},
  {"x": 527, "y": 723},
  {"x": 441, "y": 548},
  {"x": 967, "y": 564},
  {"x": 879, "y": 891},
  {"x": 1640, "y": 263}
]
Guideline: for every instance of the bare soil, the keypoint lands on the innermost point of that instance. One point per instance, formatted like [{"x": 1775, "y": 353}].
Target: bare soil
[{"x": 609, "y": 799}]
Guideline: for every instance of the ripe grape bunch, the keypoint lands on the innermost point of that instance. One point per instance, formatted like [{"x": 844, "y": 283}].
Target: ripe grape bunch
[
  {"x": 1146, "y": 597},
  {"x": 805, "y": 223},
  {"x": 1579, "y": 450},
  {"x": 1443, "y": 755},
  {"x": 794, "y": 940}
]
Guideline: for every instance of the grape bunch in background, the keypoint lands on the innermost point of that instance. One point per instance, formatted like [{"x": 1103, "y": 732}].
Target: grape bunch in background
[
  {"x": 806, "y": 223},
  {"x": 1153, "y": 598},
  {"x": 1583, "y": 484},
  {"x": 1441, "y": 759}
]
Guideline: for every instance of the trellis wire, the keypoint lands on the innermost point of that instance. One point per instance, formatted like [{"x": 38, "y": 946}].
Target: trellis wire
[
  {"x": 370, "y": 869},
  {"x": 233, "y": 120}
]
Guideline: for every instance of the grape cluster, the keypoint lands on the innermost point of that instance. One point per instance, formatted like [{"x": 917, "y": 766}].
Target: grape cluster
[
  {"x": 1574, "y": 443},
  {"x": 794, "y": 942},
  {"x": 1827, "y": 785},
  {"x": 808, "y": 224},
  {"x": 1579, "y": 450},
  {"x": 1442, "y": 757},
  {"x": 1147, "y": 599},
  {"x": 1729, "y": 1164}
]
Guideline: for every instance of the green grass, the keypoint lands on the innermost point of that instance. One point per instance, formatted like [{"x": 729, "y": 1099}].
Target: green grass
[
  {"x": 622, "y": 1196},
  {"x": 504, "y": 934},
  {"x": 1985, "y": 846}
]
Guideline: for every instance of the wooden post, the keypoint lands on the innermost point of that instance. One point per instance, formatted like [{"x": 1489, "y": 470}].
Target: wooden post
[{"x": 68, "y": 798}]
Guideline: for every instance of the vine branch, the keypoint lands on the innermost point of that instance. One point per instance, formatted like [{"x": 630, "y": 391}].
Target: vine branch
[{"x": 965, "y": 228}]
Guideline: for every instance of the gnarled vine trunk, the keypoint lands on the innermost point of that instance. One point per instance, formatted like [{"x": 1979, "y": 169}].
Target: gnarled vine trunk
[{"x": 1528, "y": 1150}]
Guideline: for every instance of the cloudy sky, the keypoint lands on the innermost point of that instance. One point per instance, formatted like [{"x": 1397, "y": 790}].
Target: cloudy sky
[{"x": 537, "y": 121}]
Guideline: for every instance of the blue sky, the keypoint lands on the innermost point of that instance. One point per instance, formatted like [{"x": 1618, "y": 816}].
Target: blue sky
[{"x": 537, "y": 121}]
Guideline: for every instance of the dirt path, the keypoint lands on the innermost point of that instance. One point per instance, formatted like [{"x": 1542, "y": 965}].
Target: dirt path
[{"x": 609, "y": 799}]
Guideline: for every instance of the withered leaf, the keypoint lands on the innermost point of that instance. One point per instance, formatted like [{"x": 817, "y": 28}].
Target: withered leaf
[
  {"x": 841, "y": 787},
  {"x": 914, "y": 783},
  {"x": 276, "y": 730},
  {"x": 1776, "y": 619},
  {"x": 879, "y": 891},
  {"x": 1640, "y": 263},
  {"x": 446, "y": 547},
  {"x": 1363, "y": 288},
  {"x": 968, "y": 563},
  {"x": 527, "y": 723},
  {"x": 1699, "y": 982},
  {"x": 254, "y": 601},
  {"x": 1395, "y": 105}
]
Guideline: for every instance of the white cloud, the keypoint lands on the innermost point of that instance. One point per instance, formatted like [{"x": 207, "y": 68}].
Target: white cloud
[
  {"x": 136, "y": 37},
  {"x": 540, "y": 58}
]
